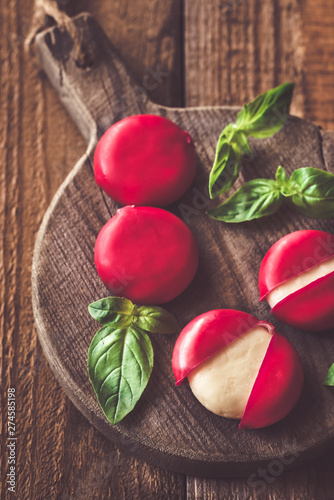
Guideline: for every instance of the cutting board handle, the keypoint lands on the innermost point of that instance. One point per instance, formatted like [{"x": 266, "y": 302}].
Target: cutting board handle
[{"x": 98, "y": 90}]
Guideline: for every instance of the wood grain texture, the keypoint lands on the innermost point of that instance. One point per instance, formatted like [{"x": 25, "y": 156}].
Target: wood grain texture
[
  {"x": 59, "y": 453},
  {"x": 318, "y": 22},
  {"x": 168, "y": 427},
  {"x": 235, "y": 50},
  {"x": 37, "y": 133},
  {"x": 265, "y": 43},
  {"x": 148, "y": 37}
]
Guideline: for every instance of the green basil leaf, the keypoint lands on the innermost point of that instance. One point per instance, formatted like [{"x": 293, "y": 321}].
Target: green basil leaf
[
  {"x": 260, "y": 118},
  {"x": 120, "y": 363},
  {"x": 267, "y": 113},
  {"x": 313, "y": 192},
  {"x": 329, "y": 380},
  {"x": 240, "y": 143},
  {"x": 155, "y": 320},
  {"x": 225, "y": 169},
  {"x": 255, "y": 199},
  {"x": 281, "y": 177},
  {"x": 112, "y": 310},
  {"x": 286, "y": 186}
]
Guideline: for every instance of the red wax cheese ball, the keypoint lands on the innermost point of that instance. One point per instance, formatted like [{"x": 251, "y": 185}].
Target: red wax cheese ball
[
  {"x": 145, "y": 160},
  {"x": 297, "y": 279},
  {"x": 146, "y": 254},
  {"x": 239, "y": 367}
]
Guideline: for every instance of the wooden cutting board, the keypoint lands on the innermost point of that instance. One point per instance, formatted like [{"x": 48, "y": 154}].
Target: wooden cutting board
[{"x": 168, "y": 426}]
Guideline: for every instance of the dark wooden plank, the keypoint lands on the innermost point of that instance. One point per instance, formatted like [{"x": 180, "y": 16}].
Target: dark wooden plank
[
  {"x": 58, "y": 451},
  {"x": 243, "y": 49},
  {"x": 148, "y": 37},
  {"x": 235, "y": 50},
  {"x": 46, "y": 157},
  {"x": 116, "y": 96},
  {"x": 168, "y": 426},
  {"x": 273, "y": 482},
  {"x": 318, "y": 67}
]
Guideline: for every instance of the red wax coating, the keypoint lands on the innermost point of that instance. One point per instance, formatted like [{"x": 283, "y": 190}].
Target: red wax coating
[
  {"x": 205, "y": 335},
  {"x": 280, "y": 380},
  {"x": 311, "y": 307},
  {"x": 146, "y": 254},
  {"x": 291, "y": 255},
  {"x": 277, "y": 387},
  {"x": 145, "y": 160}
]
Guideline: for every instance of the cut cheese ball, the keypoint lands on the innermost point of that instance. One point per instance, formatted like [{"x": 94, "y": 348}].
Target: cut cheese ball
[
  {"x": 297, "y": 279},
  {"x": 300, "y": 281},
  {"x": 239, "y": 367},
  {"x": 223, "y": 383}
]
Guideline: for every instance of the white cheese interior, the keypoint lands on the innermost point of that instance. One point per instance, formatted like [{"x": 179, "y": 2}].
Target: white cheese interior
[
  {"x": 224, "y": 382},
  {"x": 298, "y": 282}
]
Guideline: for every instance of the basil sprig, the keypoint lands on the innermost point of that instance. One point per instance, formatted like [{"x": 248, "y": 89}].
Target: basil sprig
[
  {"x": 329, "y": 380},
  {"x": 261, "y": 118},
  {"x": 309, "y": 190},
  {"x": 120, "y": 356}
]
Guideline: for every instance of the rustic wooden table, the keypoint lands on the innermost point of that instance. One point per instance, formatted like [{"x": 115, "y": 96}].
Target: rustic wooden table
[{"x": 187, "y": 53}]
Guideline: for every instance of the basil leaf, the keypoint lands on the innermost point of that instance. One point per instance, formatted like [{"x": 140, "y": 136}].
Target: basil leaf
[
  {"x": 120, "y": 363},
  {"x": 329, "y": 380},
  {"x": 225, "y": 169},
  {"x": 281, "y": 177},
  {"x": 240, "y": 143},
  {"x": 255, "y": 199},
  {"x": 260, "y": 118},
  {"x": 112, "y": 310},
  {"x": 313, "y": 192},
  {"x": 267, "y": 113},
  {"x": 155, "y": 320},
  {"x": 286, "y": 186}
]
